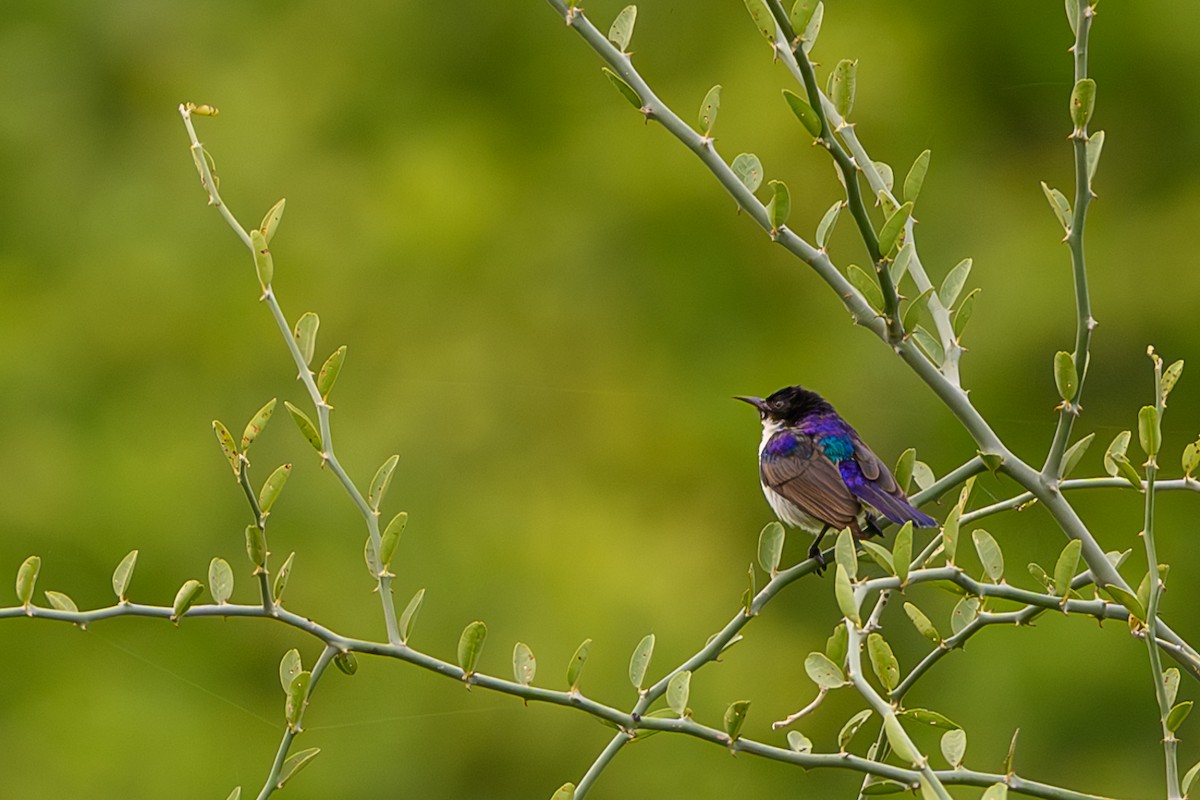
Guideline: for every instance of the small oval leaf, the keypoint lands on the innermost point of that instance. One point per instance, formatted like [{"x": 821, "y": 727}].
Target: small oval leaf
[
  {"x": 624, "y": 88},
  {"x": 902, "y": 551},
  {"x": 735, "y": 717},
  {"x": 122, "y": 574},
  {"x": 916, "y": 177},
  {"x": 1065, "y": 376},
  {"x": 798, "y": 742},
  {"x": 289, "y": 667},
  {"x": 851, "y": 727},
  {"x": 889, "y": 234},
  {"x": 1149, "y": 431},
  {"x": 678, "y": 689},
  {"x": 843, "y": 82},
  {"x": 749, "y": 170},
  {"x": 305, "y": 334},
  {"x": 297, "y": 698},
  {"x": 1064, "y": 568},
  {"x": 294, "y": 764},
  {"x": 640, "y": 661},
  {"x": 272, "y": 486},
  {"x": 621, "y": 30},
  {"x": 187, "y": 595},
  {"x": 955, "y": 280},
  {"x": 281, "y": 578},
  {"x": 844, "y": 594},
  {"x": 1178, "y": 714},
  {"x": 270, "y": 222},
  {"x": 346, "y": 662},
  {"x": 989, "y": 554},
  {"x": 409, "y": 617},
  {"x": 61, "y": 602},
  {"x": 780, "y": 205},
  {"x": 225, "y": 439},
  {"x": 256, "y": 546},
  {"x": 306, "y": 426},
  {"x": 804, "y": 112},
  {"x": 770, "y": 547},
  {"x": 470, "y": 645},
  {"x": 922, "y": 623},
  {"x": 264, "y": 262},
  {"x": 823, "y": 672},
  {"x": 964, "y": 613},
  {"x": 524, "y": 664},
  {"x": 256, "y": 425},
  {"x": 220, "y": 580},
  {"x": 381, "y": 481},
  {"x": 575, "y": 667},
  {"x": 954, "y": 746},
  {"x": 330, "y": 370},
  {"x": 883, "y": 661},
  {"x": 709, "y": 109}
]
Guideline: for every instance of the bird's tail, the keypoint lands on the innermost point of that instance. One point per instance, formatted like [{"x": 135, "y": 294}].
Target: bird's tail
[{"x": 897, "y": 509}]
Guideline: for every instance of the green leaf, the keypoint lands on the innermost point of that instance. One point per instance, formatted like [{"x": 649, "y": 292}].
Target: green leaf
[
  {"x": 889, "y": 234},
  {"x": 1178, "y": 714},
  {"x": 955, "y": 280},
  {"x": 409, "y": 617},
  {"x": 796, "y": 740},
  {"x": 845, "y": 596},
  {"x": 963, "y": 315},
  {"x": 931, "y": 718},
  {"x": 255, "y": 426},
  {"x": 989, "y": 554},
  {"x": 780, "y": 206},
  {"x": 929, "y": 345},
  {"x": 225, "y": 439},
  {"x": 524, "y": 664},
  {"x": 305, "y": 333},
  {"x": 289, "y": 667},
  {"x": 1191, "y": 458},
  {"x": 294, "y": 764},
  {"x": 912, "y": 314},
  {"x": 60, "y": 601},
  {"x": 902, "y": 260},
  {"x": 1064, "y": 569},
  {"x": 950, "y": 533},
  {"x": 837, "y": 645},
  {"x": 470, "y": 645},
  {"x": 236, "y": 794},
  {"x": 1143, "y": 591},
  {"x": 122, "y": 574},
  {"x": 1149, "y": 430},
  {"x": 270, "y": 222},
  {"x": 564, "y": 792},
  {"x": 916, "y": 178},
  {"x": 902, "y": 551},
  {"x": 883, "y": 661},
  {"x": 762, "y": 18},
  {"x": 954, "y": 746},
  {"x": 575, "y": 667},
  {"x": 297, "y": 698},
  {"x": 1073, "y": 15},
  {"x": 272, "y": 486},
  {"x": 844, "y": 553},
  {"x": 305, "y": 425},
  {"x": 904, "y": 469},
  {"x": 391, "y": 538},
  {"x": 749, "y": 170},
  {"x": 802, "y": 14},
  {"x": 927, "y": 790},
  {"x": 997, "y": 791},
  {"x": 1189, "y": 778},
  {"x": 1065, "y": 376},
  {"x": 1128, "y": 472},
  {"x": 281, "y": 578},
  {"x": 220, "y": 580},
  {"x": 330, "y": 370},
  {"x": 264, "y": 262},
  {"x": 825, "y": 226},
  {"x": 1083, "y": 103},
  {"x": 678, "y": 689},
  {"x": 866, "y": 285},
  {"x": 899, "y": 740},
  {"x": 922, "y": 623},
  {"x": 640, "y": 661},
  {"x": 1074, "y": 454},
  {"x": 1170, "y": 377},
  {"x": 1059, "y": 205},
  {"x": 1127, "y": 599},
  {"x": 748, "y": 595},
  {"x": 1040, "y": 575},
  {"x": 803, "y": 111},
  {"x": 1092, "y": 150},
  {"x": 813, "y": 29},
  {"x": 851, "y": 727},
  {"x": 964, "y": 613},
  {"x": 379, "y": 484},
  {"x": 883, "y": 198},
  {"x": 923, "y": 475},
  {"x": 709, "y": 108},
  {"x": 622, "y": 28},
  {"x": 735, "y": 716},
  {"x": 1118, "y": 447},
  {"x": 346, "y": 661},
  {"x": 624, "y": 88},
  {"x": 770, "y": 547},
  {"x": 1171, "y": 684},
  {"x": 187, "y": 595},
  {"x": 843, "y": 82},
  {"x": 880, "y": 555},
  {"x": 256, "y": 546},
  {"x": 823, "y": 672}
]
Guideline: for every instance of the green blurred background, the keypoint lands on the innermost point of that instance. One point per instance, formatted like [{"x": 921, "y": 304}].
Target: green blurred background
[{"x": 548, "y": 306}]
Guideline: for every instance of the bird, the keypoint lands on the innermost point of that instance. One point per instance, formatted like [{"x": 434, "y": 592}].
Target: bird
[{"x": 819, "y": 475}]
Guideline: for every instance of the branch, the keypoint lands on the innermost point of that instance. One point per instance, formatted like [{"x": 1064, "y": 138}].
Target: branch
[{"x": 370, "y": 516}]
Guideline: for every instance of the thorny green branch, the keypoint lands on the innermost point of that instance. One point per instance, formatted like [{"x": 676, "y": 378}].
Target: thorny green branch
[{"x": 628, "y": 723}]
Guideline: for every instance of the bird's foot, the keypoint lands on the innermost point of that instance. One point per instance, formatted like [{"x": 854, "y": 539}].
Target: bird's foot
[{"x": 814, "y": 552}]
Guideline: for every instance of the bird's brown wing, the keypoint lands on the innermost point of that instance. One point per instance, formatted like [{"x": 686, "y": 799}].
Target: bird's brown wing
[{"x": 806, "y": 478}]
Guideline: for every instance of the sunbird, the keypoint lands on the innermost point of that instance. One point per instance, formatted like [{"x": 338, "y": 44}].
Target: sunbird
[{"x": 818, "y": 474}]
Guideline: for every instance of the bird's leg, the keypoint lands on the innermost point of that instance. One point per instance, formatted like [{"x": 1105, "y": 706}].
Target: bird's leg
[
  {"x": 871, "y": 528},
  {"x": 814, "y": 551}
]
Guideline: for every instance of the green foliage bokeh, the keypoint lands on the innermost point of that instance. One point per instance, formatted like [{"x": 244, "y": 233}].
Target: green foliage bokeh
[{"x": 548, "y": 306}]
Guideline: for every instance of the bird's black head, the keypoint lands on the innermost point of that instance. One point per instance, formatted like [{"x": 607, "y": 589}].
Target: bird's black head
[{"x": 789, "y": 405}]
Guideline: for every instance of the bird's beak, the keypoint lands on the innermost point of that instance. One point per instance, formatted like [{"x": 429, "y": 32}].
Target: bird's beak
[{"x": 757, "y": 402}]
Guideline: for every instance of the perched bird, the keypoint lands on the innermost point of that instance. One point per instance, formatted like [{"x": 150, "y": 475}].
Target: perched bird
[{"x": 818, "y": 474}]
